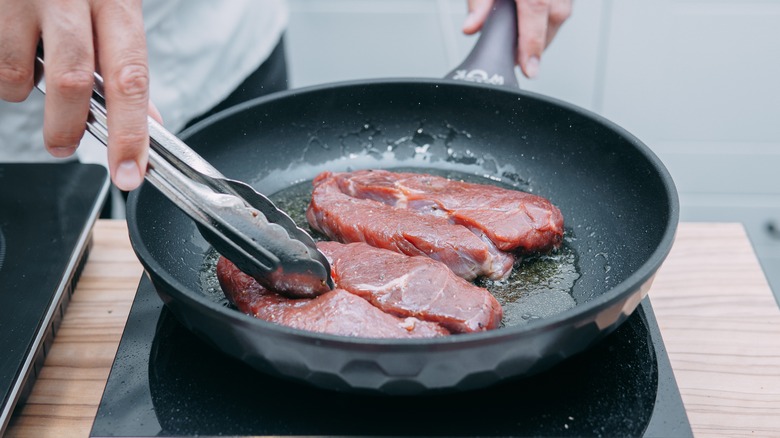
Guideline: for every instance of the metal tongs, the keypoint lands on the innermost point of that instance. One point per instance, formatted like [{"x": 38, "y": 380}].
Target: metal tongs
[{"x": 240, "y": 223}]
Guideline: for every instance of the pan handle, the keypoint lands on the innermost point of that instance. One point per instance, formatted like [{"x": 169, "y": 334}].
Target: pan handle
[{"x": 492, "y": 60}]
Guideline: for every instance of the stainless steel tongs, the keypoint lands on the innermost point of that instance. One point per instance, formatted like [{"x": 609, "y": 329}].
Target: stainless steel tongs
[{"x": 240, "y": 223}]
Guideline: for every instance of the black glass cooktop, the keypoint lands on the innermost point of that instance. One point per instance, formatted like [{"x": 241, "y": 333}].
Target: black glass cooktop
[
  {"x": 165, "y": 381},
  {"x": 46, "y": 217}
]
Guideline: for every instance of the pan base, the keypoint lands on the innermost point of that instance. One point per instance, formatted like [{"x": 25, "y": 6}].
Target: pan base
[{"x": 165, "y": 381}]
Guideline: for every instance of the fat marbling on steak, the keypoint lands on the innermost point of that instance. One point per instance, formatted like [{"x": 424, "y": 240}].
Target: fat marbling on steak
[
  {"x": 511, "y": 219},
  {"x": 379, "y": 293},
  {"x": 347, "y": 219},
  {"x": 336, "y": 312},
  {"x": 416, "y": 286}
]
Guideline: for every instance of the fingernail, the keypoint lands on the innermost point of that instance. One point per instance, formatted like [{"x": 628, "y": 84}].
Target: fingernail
[
  {"x": 470, "y": 21},
  {"x": 128, "y": 176},
  {"x": 532, "y": 67},
  {"x": 62, "y": 151}
]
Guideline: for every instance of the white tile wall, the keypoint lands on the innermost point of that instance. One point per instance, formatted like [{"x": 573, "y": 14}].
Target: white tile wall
[
  {"x": 330, "y": 41},
  {"x": 336, "y": 40}
]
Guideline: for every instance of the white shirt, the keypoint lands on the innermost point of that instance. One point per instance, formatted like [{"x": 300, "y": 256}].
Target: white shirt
[{"x": 199, "y": 52}]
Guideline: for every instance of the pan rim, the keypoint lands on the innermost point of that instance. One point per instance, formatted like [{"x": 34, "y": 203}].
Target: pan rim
[{"x": 620, "y": 291}]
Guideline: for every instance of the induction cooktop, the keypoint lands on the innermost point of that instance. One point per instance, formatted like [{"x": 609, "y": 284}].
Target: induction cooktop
[
  {"x": 167, "y": 382},
  {"x": 46, "y": 216}
]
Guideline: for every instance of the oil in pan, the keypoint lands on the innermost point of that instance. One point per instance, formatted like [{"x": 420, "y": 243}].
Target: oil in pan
[{"x": 539, "y": 286}]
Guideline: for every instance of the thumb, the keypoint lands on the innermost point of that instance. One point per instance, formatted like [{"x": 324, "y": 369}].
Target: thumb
[{"x": 478, "y": 13}]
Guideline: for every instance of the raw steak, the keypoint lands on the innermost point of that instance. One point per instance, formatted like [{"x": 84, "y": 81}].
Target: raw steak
[
  {"x": 511, "y": 219},
  {"x": 336, "y": 312},
  {"x": 412, "y": 287},
  {"x": 348, "y": 219}
]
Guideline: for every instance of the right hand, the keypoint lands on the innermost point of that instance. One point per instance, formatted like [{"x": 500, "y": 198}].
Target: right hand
[
  {"x": 76, "y": 35},
  {"x": 537, "y": 23}
]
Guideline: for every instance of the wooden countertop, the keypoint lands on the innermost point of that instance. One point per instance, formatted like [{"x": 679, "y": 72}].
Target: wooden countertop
[{"x": 718, "y": 317}]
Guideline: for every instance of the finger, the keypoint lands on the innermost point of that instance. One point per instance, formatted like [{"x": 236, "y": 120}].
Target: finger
[
  {"x": 560, "y": 11},
  {"x": 19, "y": 32},
  {"x": 532, "y": 34},
  {"x": 67, "y": 41},
  {"x": 478, "y": 13},
  {"x": 123, "y": 64}
]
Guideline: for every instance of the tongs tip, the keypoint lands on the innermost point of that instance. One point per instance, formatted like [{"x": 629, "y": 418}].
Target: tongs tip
[{"x": 279, "y": 255}]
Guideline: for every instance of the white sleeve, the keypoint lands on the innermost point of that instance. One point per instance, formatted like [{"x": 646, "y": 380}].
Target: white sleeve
[{"x": 201, "y": 50}]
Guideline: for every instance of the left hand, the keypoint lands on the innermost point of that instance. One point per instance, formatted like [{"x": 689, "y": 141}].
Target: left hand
[
  {"x": 537, "y": 23},
  {"x": 79, "y": 35}
]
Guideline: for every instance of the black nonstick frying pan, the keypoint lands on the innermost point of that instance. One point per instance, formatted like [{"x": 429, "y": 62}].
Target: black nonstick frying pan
[{"x": 619, "y": 204}]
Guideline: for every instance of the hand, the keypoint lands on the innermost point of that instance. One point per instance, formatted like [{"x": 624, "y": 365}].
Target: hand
[
  {"x": 77, "y": 35},
  {"x": 537, "y": 23}
]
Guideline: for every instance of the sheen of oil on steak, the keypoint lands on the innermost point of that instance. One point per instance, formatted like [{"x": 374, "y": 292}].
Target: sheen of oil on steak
[
  {"x": 349, "y": 219},
  {"x": 511, "y": 219},
  {"x": 336, "y": 312},
  {"x": 412, "y": 287}
]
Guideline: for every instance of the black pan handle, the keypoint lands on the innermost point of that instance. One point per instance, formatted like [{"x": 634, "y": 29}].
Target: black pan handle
[{"x": 492, "y": 60}]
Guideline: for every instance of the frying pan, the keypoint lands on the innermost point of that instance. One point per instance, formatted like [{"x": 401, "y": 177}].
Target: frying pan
[{"x": 618, "y": 200}]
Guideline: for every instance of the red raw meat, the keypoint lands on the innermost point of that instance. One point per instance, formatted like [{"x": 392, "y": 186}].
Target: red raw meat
[
  {"x": 511, "y": 219},
  {"x": 348, "y": 219},
  {"x": 412, "y": 287},
  {"x": 336, "y": 312}
]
